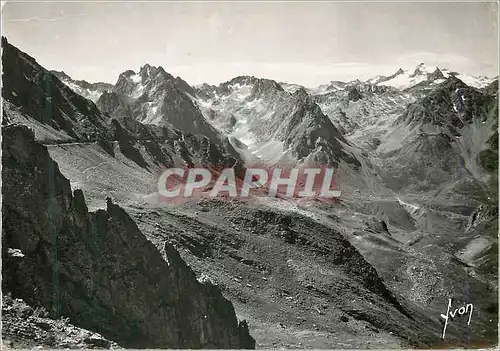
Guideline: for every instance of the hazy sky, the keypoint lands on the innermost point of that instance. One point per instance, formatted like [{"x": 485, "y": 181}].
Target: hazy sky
[{"x": 305, "y": 43}]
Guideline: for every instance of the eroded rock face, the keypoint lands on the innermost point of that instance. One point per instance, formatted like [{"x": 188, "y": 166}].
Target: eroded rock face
[{"x": 97, "y": 268}]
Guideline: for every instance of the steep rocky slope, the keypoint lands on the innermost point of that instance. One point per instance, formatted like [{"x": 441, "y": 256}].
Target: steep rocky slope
[
  {"x": 152, "y": 96},
  {"x": 91, "y": 91},
  {"x": 296, "y": 274},
  {"x": 35, "y": 92},
  {"x": 362, "y": 107},
  {"x": 358, "y": 106},
  {"x": 437, "y": 139},
  {"x": 97, "y": 268},
  {"x": 34, "y": 96},
  {"x": 272, "y": 125}
]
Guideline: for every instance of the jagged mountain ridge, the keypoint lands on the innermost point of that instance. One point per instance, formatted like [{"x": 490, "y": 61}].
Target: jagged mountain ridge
[
  {"x": 404, "y": 79},
  {"x": 427, "y": 75},
  {"x": 136, "y": 96},
  {"x": 421, "y": 75},
  {"x": 360, "y": 106},
  {"x": 273, "y": 124},
  {"x": 152, "y": 96}
]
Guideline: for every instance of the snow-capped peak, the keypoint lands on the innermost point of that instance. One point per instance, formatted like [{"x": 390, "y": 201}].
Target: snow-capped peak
[
  {"x": 404, "y": 79},
  {"x": 423, "y": 70}
]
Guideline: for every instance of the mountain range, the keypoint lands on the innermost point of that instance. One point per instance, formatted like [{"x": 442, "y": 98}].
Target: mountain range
[{"x": 416, "y": 159}]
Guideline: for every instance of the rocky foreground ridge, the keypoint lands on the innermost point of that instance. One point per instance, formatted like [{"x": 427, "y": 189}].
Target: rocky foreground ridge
[{"x": 97, "y": 268}]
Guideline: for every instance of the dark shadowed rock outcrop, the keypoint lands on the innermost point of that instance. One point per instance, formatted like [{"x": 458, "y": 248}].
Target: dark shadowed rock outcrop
[
  {"x": 42, "y": 96},
  {"x": 97, "y": 268},
  {"x": 353, "y": 94}
]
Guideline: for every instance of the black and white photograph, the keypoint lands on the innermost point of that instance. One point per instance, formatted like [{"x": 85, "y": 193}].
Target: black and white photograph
[{"x": 249, "y": 174}]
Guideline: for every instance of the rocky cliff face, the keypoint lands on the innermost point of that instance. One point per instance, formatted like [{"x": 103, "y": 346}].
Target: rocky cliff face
[{"x": 97, "y": 268}]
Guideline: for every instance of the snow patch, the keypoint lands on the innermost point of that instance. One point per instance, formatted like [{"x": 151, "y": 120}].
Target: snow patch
[
  {"x": 136, "y": 78},
  {"x": 476, "y": 82},
  {"x": 271, "y": 151},
  {"x": 138, "y": 91},
  {"x": 405, "y": 80},
  {"x": 412, "y": 209},
  {"x": 474, "y": 249},
  {"x": 92, "y": 95},
  {"x": 471, "y": 141},
  {"x": 15, "y": 252},
  {"x": 242, "y": 132}
]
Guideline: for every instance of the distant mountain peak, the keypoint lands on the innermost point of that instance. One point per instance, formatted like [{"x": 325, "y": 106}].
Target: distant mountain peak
[
  {"x": 264, "y": 85},
  {"x": 240, "y": 80},
  {"x": 148, "y": 70},
  {"x": 423, "y": 75},
  {"x": 416, "y": 72},
  {"x": 300, "y": 94},
  {"x": 454, "y": 81},
  {"x": 146, "y": 75},
  {"x": 437, "y": 74},
  {"x": 127, "y": 73},
  {"x": 355, "y": 82},
  {"x": 423, "y": 69}
]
